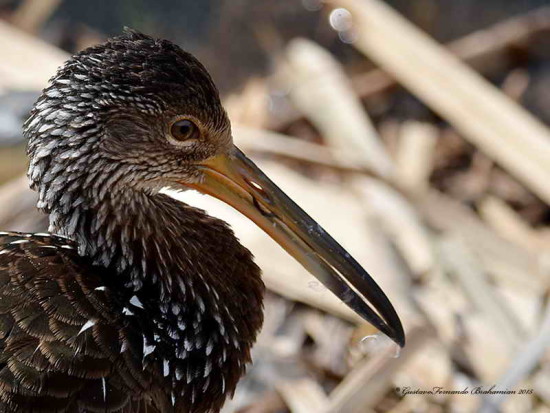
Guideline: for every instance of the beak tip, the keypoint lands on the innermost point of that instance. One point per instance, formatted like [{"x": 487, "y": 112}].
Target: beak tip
[
  {"x": 399, "y": 335},
  {"x": 396, "y": 333},
  {"x": 400, "y": 340}
]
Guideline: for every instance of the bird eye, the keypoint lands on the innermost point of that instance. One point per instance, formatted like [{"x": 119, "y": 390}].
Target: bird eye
[{"x": 184, "y": 129}]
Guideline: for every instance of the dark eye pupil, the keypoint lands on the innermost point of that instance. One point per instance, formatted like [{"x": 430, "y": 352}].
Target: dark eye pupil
[{"x": 184, "y": 129}]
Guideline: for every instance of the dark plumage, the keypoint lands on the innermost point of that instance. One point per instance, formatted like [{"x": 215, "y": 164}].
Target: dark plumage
[{"x": 140, "y": 302}]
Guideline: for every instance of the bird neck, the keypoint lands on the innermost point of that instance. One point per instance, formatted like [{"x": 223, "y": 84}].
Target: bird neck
[
  {"x": 149, "y": 238},
  {"x": 199, "y": 288}
]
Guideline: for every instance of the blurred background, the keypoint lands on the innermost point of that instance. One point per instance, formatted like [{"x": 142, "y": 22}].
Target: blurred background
[{"x": 416, "y": 133}]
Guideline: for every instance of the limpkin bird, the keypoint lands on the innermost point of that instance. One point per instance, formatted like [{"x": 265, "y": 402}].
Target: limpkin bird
[{"x": 134, "y": 301}]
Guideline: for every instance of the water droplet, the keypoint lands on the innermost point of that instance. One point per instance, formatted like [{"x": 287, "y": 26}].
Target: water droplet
[
  {"x": 312, "y": 5},
  {"x": 370, "y": 343},
  {"x": 348, "y": 36},
  {"x": 315, "y": 285},
  {"x": 340, "y": 19},
  {"x": 372, "y": 337},
  {"x": 397, "y": 352},
  {"x": 379, "y": 343}
]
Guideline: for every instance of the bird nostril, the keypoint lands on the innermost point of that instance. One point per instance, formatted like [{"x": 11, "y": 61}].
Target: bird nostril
[
  {"x": 255, "y": 185},
  {"x": 259, "y": 191}
]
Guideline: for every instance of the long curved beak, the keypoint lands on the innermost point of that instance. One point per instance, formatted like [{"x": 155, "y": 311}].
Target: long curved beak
[{"x": 236, "y": 180}]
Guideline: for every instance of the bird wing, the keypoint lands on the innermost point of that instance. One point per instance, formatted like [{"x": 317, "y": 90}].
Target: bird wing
[{"x": 65, "y": 344}]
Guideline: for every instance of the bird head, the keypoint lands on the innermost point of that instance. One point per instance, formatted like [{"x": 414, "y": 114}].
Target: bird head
[{"x": 144, "y": 114}]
